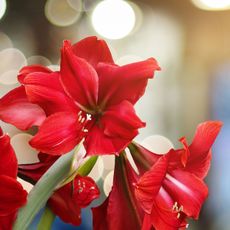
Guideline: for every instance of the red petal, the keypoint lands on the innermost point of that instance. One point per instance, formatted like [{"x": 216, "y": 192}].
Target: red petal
[
  {"x": 93, "y": 50},
  {"x": 59, "y": 134},
  {"x": 85, "y": 191},
  {"x": 97, "y": 143},
  {"x": 115, "y": 130},
  {"x": 185, "y": 153},
  {"x": 163, "y": 216},
  {"x": 67, "y": 201},
  {"x": 63, "y": 205},
  {"x": 12, "y": 195},
  {"x": 200, "y": 158},
  {"x": 127, "y": 82},
  {"x": 79, "y": 78},
  {"x": 121, "y": 210},
  {"x": 33, "y": 172},
  {"x": 147, "y": 158},
  {"x": 100, "y": 221},
  {"x": 147, "y": 223},
  {"x": 6, "y": 222},
  {"x": 150, "y": 183},
  {"x": 17, "y": 110},
  {"x": 46, "y": 90},
  {"x": 187, "y": 190},
  {"x": 205, "y": 136},
  {"x": 8, "y": 165},
  {"x": 121, "y": 121},
  {"x": 31, "y": 69}
]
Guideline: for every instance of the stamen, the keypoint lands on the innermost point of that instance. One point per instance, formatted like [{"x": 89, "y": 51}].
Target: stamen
[
  {"x": 82, "y": 120},
  {"x": 177, "y": 209},
  {"x": 80, "y": 190},
  {"x": 88, "y": 117},
  {"x": 79, "y": 118}
]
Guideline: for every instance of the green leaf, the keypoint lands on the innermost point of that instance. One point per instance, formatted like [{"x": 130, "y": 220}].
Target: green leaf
[
  {"x": 46, "y": 220},
  {"x": 43, "y": 189}
]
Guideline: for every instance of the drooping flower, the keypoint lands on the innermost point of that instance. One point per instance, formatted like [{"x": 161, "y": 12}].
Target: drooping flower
[
  {"x": 168, "y": 189},
  {"x": 173, "y": 188},
  {"x": 102, "y": 95},
  {"x": 120, "y": 210},
  {"x": 67, "y": 201},
  {"x": 12, "y": 194}
]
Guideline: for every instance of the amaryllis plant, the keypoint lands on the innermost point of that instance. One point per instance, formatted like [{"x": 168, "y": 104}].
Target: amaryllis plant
[{"x": 89, "y": 104}]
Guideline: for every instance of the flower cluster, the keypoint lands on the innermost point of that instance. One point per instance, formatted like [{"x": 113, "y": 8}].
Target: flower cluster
[{"x": 91, "y": 101}]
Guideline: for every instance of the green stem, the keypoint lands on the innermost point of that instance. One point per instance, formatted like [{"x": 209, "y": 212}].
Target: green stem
[
  {"x": 83, "y": 170},
  {"x": 86, "y": 168},
  {"x": 46, "y": 220}
]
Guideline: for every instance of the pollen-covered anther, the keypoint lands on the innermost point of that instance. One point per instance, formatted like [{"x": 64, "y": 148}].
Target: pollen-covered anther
[
  {"x": 177, "y": 209},
  {"x": 83, "y": 120},
  {"x": 80, "y": 190},
  {"x": 88, "y": 117},
  {"x": 83, "y": 184}
]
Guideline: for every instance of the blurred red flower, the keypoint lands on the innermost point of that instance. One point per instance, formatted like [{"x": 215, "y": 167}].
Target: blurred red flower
[
  {"x": 12, "y": 194},
  {"x": 67, "y": 201},
  {"x": 168, "y": 189}
]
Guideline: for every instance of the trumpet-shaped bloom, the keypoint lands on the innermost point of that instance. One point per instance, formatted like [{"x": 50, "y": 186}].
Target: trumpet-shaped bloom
[
  {"x": 168, "y": 189},
  {"x": 90, "y": 97},
  {"x": 173, "y": 188},
  {"x": 12, "y": 194},
  {"x": 102, "y": 95},
  {"x": 67, "y": 201}
]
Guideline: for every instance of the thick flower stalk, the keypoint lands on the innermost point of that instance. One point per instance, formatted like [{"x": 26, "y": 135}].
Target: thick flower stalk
[{"x": 12, "y": 194}]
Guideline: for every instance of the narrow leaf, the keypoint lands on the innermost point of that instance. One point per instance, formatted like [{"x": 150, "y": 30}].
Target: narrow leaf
[{"x": 42, "y": 191}]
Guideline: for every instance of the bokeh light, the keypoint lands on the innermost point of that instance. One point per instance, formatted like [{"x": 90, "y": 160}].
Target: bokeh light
[
  {"x": 113, "y": 19},
  {"x": 9, "y": 77},
  {"x": 76, "y": 4},
  {"x": 5, "y": 41},
  {"x": 24, "y": 152},
  {"x": 157, "y": 144},
  {"x": 2, "y": 8},
  {"x": 27, "y": 186},
  {"x": 108, "y": 183},
  {"x": 127, "y": 59},
  {"x": 212, "y": 4},
  {"x": 38, "y": 60},
  {"x": 97, "y": 171},
  {"x": 11, "y": 58},
  {"x": 61, "y": 13}
]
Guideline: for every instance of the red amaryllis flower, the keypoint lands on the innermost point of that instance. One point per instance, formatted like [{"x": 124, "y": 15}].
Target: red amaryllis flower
[
  {"x": 17, "y": 110},
  {"x": 168, "y": 189},
  {"x": 12, "y": 194},
  {"x": 173, "y": 188},
  {"x": 120, "y": 210},
  {"x": 103, "y": 95},
  {"x": 67, "y": 201}
]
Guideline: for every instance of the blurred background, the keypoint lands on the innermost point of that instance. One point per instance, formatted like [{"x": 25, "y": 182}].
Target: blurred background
[{"x": 191, "y": 41}]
